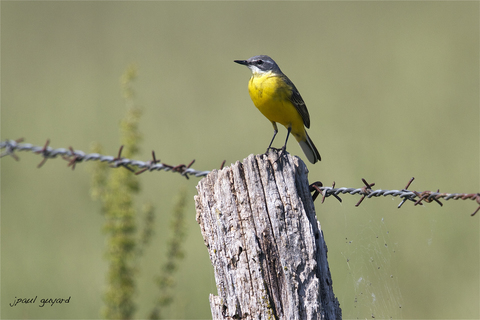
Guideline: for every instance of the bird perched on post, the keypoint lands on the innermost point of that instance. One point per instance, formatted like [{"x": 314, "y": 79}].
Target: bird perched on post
[{"x": 278, "y": 100}]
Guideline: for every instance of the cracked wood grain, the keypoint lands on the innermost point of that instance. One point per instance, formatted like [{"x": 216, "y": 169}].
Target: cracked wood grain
[{"x": 267, "y": 248}]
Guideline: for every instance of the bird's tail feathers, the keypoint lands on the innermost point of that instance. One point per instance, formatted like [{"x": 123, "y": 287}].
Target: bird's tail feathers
[{"x": 310, "y": 150}]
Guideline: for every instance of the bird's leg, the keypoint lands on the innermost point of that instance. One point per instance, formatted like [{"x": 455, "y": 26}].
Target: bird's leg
[
  {"x": 284, "y": 148},
  {"x": 275, "y": 131}
]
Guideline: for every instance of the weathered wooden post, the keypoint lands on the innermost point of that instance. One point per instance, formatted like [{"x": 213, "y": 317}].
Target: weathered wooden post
[{"x": 266, "y": 246}]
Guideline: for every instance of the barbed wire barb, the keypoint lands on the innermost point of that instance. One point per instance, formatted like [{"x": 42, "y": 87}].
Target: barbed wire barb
[
  {"x": 10, "y": 150},
  {"x": 150, "y": 163},
  {"x": 43, "y": 151}
]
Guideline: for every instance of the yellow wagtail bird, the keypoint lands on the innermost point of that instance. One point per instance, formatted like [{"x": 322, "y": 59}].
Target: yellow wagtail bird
[{"x": 279, "y": 101}]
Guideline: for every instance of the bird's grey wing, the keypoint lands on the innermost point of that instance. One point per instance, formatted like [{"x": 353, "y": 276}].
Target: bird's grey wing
[{"x": 298, "y": 102}]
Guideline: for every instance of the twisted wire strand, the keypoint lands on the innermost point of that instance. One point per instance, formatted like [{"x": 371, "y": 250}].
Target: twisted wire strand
[
  {"x": 74, "y": 156},
  {"x": 414, "y": 196},
  {"x": 406, "y": 194}
]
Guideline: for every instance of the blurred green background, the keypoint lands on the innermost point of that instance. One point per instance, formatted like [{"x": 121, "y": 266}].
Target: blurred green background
[{"x": 393, "y": 93}]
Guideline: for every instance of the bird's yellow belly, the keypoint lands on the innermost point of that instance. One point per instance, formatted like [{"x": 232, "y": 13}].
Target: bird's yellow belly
[{"x": 272, "y": 97}]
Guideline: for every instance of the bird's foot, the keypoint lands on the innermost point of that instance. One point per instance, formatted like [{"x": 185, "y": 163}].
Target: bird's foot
[{"x": 281, "y": 152}]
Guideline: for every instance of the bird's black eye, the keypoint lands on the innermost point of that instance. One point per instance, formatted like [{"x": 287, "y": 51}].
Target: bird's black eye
[{"x": 259, "y": 62}]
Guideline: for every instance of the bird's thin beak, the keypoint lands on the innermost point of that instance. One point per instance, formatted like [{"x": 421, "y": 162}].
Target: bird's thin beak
[{"x": 244, "y": 62}]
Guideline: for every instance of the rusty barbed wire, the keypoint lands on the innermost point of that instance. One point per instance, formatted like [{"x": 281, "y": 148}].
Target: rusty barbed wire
[
  {"x": 417, "y": 197},
  {"x": 75, "y": 156}
]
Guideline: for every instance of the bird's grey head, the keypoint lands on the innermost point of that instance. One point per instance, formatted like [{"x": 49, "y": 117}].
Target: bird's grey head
[{"x": 260, "y": 64}]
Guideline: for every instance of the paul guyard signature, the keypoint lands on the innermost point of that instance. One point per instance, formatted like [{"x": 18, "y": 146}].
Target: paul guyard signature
[{"x": 42, "y": 301}]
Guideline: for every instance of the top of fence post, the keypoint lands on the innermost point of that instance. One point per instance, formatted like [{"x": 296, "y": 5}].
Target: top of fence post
[{"x": 266, "y": 246}]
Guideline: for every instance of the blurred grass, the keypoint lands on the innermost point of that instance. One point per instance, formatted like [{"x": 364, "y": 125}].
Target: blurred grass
[
  {"x": 116, "y": 189},
  {"x": 392, "y": 91}
]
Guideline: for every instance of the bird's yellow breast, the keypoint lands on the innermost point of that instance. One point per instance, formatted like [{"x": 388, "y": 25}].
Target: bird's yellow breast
[{"x": 271, "y": 95}]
